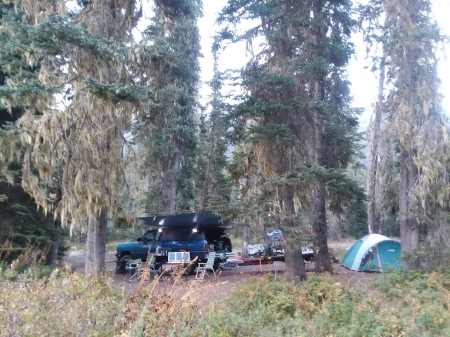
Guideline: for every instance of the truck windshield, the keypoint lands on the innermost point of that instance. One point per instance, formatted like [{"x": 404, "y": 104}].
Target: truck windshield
[
  {"x": 182, "y": 235},
  {"x": 152, "y": 235}
]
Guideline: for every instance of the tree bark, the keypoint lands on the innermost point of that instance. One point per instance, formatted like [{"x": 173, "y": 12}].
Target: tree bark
[
  {"x": 89, "y": 250},
  {"x": 100, "y": 243},
  {"x": 245, "y": 236},
  {"x": 96, "y": 244},
  {"x": 371, "y": 188},
  {"x": 320, "y": 230},
  {"x": 262, "y": 226},
  {"x": 51, "y": 255},
  {"x": 335, "y": 227},
  {"x": 408, "y": 206},
  {"x": 295, "y": 265},
  {"x": 293, "y": 257},
  {"x": 173, "y": 189}
]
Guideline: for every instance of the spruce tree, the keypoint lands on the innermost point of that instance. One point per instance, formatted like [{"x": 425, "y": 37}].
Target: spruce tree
[
  {"x": 295, "y": 121},
  {"x": 76, "y": 110},
  {"x": 25, "y": 226},
  {"x": 213, "y": 192},
  {"x": 414, "y": 158},
  {"x": 418, "y": 123},
  {"x": 168, "y": 133},
  {"x": 375, "y": 30},
  {"x": 374, "y": 149}
]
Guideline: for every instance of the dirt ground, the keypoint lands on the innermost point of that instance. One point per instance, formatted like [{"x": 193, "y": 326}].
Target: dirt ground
[{"x": 225, "y": 280}]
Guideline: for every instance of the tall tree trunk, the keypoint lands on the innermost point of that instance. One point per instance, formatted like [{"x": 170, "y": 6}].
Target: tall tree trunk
[
  {"x": 321, "y": 255},
  {"x": 261, "y": 225},
  {"x": 245, "y": 236},
  {"x": 51, "y": 255},
  {"x": 293, "y": 257},
  {"x": 173, "y": 189},
  {"x": 415, "y": 110},
  {"x": 320, "y": 230},
  {"x": 89, "y": 250},
  {"x": 96, "y": 244},
  {"x": 335, "y": 227},
  {"x": 408, "y": 207},
  {"x": 371, "y": 188},
  {"x": 100, "y": 243},
  {"x": 295, "y": 265}
]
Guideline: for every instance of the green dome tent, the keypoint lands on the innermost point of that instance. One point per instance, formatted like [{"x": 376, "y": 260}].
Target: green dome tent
[{"x": 373, "y": 252}]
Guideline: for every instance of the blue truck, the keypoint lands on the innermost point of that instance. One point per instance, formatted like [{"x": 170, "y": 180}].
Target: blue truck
[{"x": 196, "y": 233}]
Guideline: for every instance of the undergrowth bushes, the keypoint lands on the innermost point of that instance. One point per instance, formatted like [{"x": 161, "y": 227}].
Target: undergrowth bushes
[
  {"x": 319, "y": 307},
  {"x": 423, "y": 299},
  {"x": 177, "y": 310},
  {"x": 62, "y": 303}
]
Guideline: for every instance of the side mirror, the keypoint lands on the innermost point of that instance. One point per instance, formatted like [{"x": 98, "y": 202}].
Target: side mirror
[{"x": 139, "y": 239}]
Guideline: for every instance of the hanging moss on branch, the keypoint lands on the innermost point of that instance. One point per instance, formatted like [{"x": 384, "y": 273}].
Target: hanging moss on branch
[
  {"x": 418, "y": 124},
  {"x": 293, "y": 124},
  {"x": 77, "y": 108}
]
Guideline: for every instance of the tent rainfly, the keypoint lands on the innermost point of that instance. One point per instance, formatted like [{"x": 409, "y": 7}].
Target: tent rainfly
[{"x": 373, "y": 252}]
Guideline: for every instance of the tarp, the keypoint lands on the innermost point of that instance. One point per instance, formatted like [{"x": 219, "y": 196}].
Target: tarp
[
  {"x": 275, "y": 235},
  {"x": 188, "y": 220},
  {"x": 257, "y": 248},
  {"x": 373, "y": 252}
]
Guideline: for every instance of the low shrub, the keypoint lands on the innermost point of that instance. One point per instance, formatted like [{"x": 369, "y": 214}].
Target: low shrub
[
  {"x": 64, "y": 304},
  {"x": 318, "y": 307},
  {"x": 422, "y": 298},
  {"x": 275, "y": 308},
  {"x": 58, "y": 302}
]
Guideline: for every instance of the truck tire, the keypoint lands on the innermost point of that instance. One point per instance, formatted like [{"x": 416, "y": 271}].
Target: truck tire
[{"x": 120, "y": 265}]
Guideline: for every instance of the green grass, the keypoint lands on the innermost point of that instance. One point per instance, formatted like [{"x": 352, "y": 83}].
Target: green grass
[
  {"x": 78, "y": 245},
  {"x": 112, "y": 246},
  {"x": 423, "y": 299},
  {"x": 339, "y": 253},
  {"x": 237, "y": 243}
]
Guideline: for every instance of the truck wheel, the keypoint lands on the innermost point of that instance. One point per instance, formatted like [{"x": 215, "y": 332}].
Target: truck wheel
[{"x": 120, "y": 265}]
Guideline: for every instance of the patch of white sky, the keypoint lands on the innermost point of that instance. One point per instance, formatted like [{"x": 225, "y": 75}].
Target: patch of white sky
[
  {"x": 364, "y": 82},
  {"x": 233, "y": 57}
]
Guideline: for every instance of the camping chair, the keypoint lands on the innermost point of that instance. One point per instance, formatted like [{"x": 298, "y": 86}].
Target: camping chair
[
  {"x": 205, "y": 266},
  {"x": 134, "y": 266},
  {"x": 148, "y": 269}
]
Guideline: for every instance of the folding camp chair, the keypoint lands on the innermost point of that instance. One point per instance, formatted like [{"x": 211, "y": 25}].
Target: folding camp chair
[
  {"x": 149, "y": 268},
  {"x": 133, "y": 266},
  {"x": 203, "y": 267}
]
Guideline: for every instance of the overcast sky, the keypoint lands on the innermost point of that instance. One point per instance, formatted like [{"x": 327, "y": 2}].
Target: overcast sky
[{"x": 364, "y": 83}]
